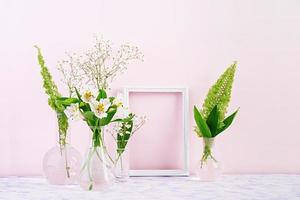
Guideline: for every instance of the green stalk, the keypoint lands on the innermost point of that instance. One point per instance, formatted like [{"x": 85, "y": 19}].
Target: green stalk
[
  {"x": 207, "y": 152},
  {"x": 66, "y": 164}
]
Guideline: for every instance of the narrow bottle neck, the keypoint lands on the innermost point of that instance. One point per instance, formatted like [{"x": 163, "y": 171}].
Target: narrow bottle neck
[
  {"x": 208, "y": 143},
  {"x": 97, "y": 137},
  {"x": 64, "y": 139},
  {"x": 63, "y": 130}
]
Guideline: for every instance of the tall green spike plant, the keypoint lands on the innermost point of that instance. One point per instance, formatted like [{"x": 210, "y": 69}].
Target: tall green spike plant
[
  {"x": 211, "y": 120},
  {"x": 53, "y": 95}
]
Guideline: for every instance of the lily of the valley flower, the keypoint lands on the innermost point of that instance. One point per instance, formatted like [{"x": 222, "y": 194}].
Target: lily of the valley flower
[
  {"x": 127, "y": 125},
  {"x": 73, "y": 112},
  {"x": 100, "y": 107},
  {"x": 87, "y": 96}
]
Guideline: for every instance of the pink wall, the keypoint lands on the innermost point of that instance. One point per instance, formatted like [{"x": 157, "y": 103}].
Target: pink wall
[{"x": 186, "y": 43}]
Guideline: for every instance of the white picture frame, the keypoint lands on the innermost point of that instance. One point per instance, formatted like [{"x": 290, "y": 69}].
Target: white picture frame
[{"x": 185, "y": 131}]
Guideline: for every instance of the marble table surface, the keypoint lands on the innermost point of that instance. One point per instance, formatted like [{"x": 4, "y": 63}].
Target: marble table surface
[{"x": 235, "y": 187}]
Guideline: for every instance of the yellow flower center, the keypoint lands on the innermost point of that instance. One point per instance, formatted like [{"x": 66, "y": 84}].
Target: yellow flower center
[
  {"x": 100, "y": 108},
  {"x": 88, "y": 95}
]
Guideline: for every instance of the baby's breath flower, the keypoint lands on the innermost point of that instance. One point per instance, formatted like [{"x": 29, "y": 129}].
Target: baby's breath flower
[{"x": 97, "y": 67}]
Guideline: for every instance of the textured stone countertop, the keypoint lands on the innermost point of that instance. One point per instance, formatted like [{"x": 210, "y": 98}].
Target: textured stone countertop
[{"x": 230, "y": 187}]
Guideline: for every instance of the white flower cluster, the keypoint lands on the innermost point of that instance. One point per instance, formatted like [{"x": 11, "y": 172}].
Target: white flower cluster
[
  {"x": 99, "y": 108},
  {"x": 96, "y": 68},
  {"x": 116, "y": 128}
]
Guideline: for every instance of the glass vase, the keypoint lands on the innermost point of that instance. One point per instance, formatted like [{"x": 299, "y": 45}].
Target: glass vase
[
  {"x": 96, "y": 171},
  {"x": 61, "y": 165},
  {"x": 209, "y": 168},
  {"x": 122, "y": 166}
]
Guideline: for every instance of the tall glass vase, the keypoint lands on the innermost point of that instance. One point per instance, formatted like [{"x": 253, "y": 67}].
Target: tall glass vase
[
  {"x": 122, "y": 166},
  {"x": 61, "y": 163},
  {"x": 96, "y": 171},
  {"x": 209, "y": 168}
]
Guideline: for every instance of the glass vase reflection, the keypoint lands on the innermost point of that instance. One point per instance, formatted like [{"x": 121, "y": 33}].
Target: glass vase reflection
[
  {"x": 61, "y": 165},
  {"x": 122, "y": 166},
  {"x": 209, "y": 168},
  {"x": 96, "y": 171}
]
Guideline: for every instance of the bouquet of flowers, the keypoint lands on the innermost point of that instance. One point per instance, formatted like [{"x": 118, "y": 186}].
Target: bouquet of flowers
[{"x": 87, "y": 77}]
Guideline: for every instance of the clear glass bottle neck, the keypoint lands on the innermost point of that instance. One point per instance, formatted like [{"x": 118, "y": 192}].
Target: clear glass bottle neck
[
  {"x": 96, "y": 137},
  {"x": 209, "y": 142}
]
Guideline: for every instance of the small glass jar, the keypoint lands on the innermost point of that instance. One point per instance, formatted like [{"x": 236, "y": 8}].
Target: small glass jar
[
  {"x": 209, "y": 168},
  {"x": 122, "y": 165}
]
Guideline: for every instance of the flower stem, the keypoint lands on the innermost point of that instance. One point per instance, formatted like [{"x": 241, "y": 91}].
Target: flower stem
[
  {"x": 207, "y": 153},
  {"x": 66, "y": 163}
]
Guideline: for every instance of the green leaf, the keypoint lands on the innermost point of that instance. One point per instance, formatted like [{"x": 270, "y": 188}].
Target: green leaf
[
  {"x": 201, "y": 123},
  {"x": 62, "y": 98},
  {"x": 84, "y": 106},
  {"x": 110, "y": 114},
  {"x": 117, "y": 120},
  {"x": 212, "y": 121},
  {"x": 67, "y": 101},
  {"x": 90, "y": 117},
  {"x": 102, "y": 95},
  {"x": 227, "y": 122},
  {"x": 78, "y": 95}
]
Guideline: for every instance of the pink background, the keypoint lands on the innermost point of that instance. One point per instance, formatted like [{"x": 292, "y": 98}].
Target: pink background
[{"x": 186, "y": 43}]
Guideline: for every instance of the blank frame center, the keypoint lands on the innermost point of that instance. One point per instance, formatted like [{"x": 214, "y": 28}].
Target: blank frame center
[{"x": 159, "y": 145}]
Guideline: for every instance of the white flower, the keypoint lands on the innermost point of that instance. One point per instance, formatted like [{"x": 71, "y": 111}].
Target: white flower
[
  {"x": 127, "y": 125},
  {"x": 122, "y": 112},
  {"x": 72, "y": 112},
  {"x": 118, "y": 101},
  {"x": 87, "y": 96},
  {"x": 100, "y": 108}
]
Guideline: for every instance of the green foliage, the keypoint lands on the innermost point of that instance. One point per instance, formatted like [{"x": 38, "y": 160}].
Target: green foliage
[
  {"x": 219, "y": 94},
  {"x": 62, "y": 120},
  {"x": 102, "y": 95},
  {"x": 53, "y": 97},
  {"x": 202, "y": 125},
  {"x": 110, "y": 114},
  {"x": 227, "y": 122},
  {"x": 211, "y": 122},
  {"x": 64, "y": 101},
  {"x": 89, "y": 116},
  {"x": 48, "y": 84},
  {"x": 124, "y": 133}
]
